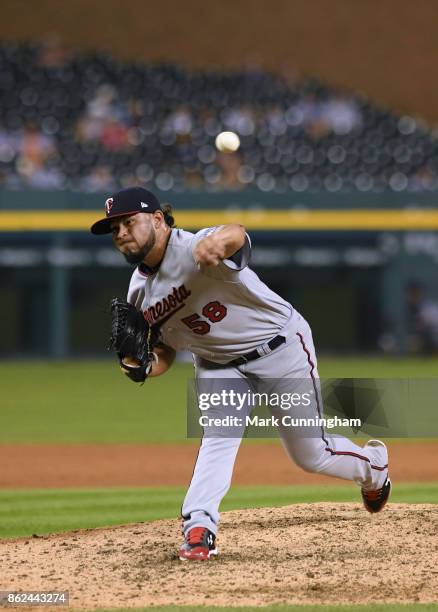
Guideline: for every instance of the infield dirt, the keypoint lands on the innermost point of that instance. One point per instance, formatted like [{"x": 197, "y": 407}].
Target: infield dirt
[
  {"x": 112, "y": 465},
  {"x": 318, "y": 553}
]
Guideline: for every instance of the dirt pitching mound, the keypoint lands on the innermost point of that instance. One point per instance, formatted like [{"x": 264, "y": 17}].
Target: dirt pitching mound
[{"x": 305, "y": 553}]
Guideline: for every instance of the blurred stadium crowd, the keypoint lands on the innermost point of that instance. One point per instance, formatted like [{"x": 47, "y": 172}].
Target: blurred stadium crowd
[{"x": 91, "y": 123}]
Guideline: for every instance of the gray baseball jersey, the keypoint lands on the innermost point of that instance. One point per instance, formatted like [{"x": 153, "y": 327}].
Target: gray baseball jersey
[
  {"x": 216, "y": 312},
  {"x": 221, "y": 312}
]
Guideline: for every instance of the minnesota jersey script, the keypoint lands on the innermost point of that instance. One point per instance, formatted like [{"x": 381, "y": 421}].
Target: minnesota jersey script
[{"x": 217, "y": 312}]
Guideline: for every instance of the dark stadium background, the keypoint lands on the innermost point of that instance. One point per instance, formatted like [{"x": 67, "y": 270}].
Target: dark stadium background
[{"x": 363, "y": 291}]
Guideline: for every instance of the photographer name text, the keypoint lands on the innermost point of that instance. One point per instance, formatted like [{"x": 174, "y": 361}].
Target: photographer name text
[{"x": 273, "y": 421}]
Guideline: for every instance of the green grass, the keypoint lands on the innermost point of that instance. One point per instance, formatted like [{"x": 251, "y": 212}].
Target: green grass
[
  {"x": 90, "y": 401},
  {"x": 23, "y": 513}
]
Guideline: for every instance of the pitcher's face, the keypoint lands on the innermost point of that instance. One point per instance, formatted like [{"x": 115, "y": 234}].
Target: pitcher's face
[{"x": 134, "y": 236}]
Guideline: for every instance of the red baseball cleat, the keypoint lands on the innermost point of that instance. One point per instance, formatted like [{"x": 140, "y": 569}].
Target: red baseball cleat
[{"x": 199, "y": 545}]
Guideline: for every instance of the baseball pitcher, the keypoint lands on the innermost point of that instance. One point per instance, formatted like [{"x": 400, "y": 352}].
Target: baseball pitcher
[{"x": 196, "y": 292}]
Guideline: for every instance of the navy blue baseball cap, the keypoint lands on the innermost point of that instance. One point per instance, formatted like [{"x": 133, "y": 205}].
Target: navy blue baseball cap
[{"x": 126, "y": 202}]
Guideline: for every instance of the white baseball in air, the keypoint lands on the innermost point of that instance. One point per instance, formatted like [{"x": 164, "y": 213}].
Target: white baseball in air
[{"x": 227, "y": 142}]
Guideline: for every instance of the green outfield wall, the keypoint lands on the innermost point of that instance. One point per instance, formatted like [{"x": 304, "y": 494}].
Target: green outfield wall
[{"x": 345, "y": 261}]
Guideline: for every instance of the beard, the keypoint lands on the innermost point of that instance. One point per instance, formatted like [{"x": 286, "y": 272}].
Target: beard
[{"x": 136, "y": 257}]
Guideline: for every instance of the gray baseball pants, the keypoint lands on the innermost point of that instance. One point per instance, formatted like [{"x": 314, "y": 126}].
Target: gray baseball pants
[{"x": 319, "y": 453}]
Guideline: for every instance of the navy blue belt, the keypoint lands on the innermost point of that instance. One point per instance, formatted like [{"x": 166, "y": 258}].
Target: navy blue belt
[{"x": 255, "y": 354}]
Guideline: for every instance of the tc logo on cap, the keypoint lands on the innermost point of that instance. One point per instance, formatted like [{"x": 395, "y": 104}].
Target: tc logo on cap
[
  {"x": 108, "y": 205},
  {"x": 129, "y": 201}
]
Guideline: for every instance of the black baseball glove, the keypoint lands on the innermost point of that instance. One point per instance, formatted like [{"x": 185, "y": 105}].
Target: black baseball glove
[{"x": 132, "y": 339}]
